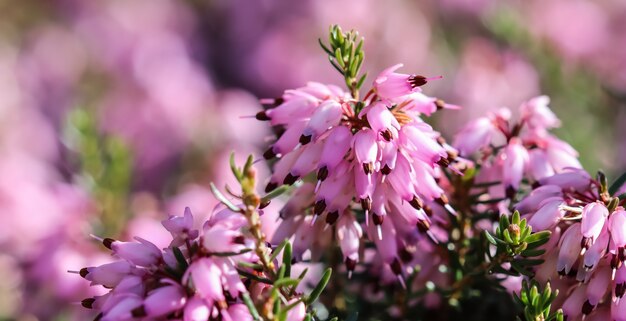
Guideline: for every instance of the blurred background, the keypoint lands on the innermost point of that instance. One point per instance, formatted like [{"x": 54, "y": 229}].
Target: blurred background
[{"x": 116, "y": 113}]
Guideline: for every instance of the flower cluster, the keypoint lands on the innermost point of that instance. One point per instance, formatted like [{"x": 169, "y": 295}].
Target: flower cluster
[
  {"x": 377, "y": 152},
  {"x": 197, "y": 278},
  {"x": 585, "y": 256},
  {"x": 514, "y": 150}
]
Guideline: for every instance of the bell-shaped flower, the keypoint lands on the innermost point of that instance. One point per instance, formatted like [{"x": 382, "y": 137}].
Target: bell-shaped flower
[
  {"x": 594, "y": 216},
  {"x": 141, "y": 253}
]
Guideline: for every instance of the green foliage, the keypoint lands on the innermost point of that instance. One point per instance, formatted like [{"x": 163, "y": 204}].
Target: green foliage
[
  {"x": 345, "y": 53},
  {"x": 516, "y": 243},
  {"x": 105, "y": 164},
  {"x": 537, "y": 303}
]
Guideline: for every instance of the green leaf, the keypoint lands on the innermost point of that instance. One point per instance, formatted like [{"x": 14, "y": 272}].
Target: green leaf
[
  {"x": 328, "y": 51},
  {"x": 542, "y": 236},
  {"x": 287, "y": 257},
  {"x": 220, "y": 197},
  {"x": 248, "y": 302},
  {"x": 490, "y": 238},
  {"x": 531, "y": 253},
  {"x": 226, "y": 254},
  {"x": 180, "y": 258},
  {"x": 275, "y": 193},
  {"x": 278, "y": 249},
  {"x": 233, "y": 167},
  {"x": 361, "y": 80},
  {"x": 317, "y": 291},
  {"x": 619, "y": 182},
  {"x": 286, "y": 282}
]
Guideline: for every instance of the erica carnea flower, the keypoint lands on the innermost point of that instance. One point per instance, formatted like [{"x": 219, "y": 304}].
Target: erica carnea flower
[
  {"x": 586, "y": 254},
  {"x": 193, "y": 279},
  {"x": 197, "y": 278},
  {"x": 374, "y": 154},
  {"x": 514, "y": 150}
]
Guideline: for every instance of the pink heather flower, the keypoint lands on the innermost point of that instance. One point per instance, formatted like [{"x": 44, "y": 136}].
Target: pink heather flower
[
  {"x": 188, "y": 280},
  {"x": 589, "y": 256},
  {"x": 594, "y": 216},
  {"x": 197, "y": 309},
  {"x": 537, "y": 113},
  {"x": 516, "y": 150},
  {"x": 474, "y": 136},
  {"x": 239, "y": 312},
  {"x": 297, "y": 313},
  {"x": 380, "y": 155},
  {"x": 514, "y": 163},
  {"x": 349, "y": 234},
  {"x": 390, "y": 84},
  {"x": 180, "y": 227}
]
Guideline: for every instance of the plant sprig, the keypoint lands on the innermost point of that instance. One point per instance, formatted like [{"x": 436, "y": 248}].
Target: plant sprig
[
  {"x": 516, "y": 243},
  {"x": 345, "y": 53},
  {"x": 536, "y": 303}
]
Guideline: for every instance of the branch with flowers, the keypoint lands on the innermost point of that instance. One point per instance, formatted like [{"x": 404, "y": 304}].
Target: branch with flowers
[{"x": 495, "y": 223}]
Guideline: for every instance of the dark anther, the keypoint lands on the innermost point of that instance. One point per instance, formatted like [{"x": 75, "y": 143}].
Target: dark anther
[
  {"x": 366, "y": 204},
  {"x": 443, "y": 162},
  {"x": 239, "y": 240},
  {"x": 387, "y": 135},
  {"x": 83, "y": 272},
  {"x": 417, "y": 81},
  {"x": 440, "y": 103},
  {"x": 428, "y": 210},
  {"x": 368, "y": 168},
  {"x": 138, "y": 312},
  {"x": 416, "y": 202},
  {"x": 290, "y": 179},
  {"x": 587, "y": 307},
  {"x": 405, "y": 255},
  {"x": 269, "y": 153},
  {"x": 585, "y": 243},
  {"x": 386, "y": 170},
  {"x": 108, "y": 242},
  {"x": 620, "y": 289},
  {"x": 264, "y": 204},
  {"x": 378, "y": 219},
  {"x": 262, "y": 115},
  {"x": 396, "y": 267},
  {"x": 304, "y": 139},
  {"x": 350, "y": 264},
  {"x": 510, "y": 192},
  {"x": 332, "y": 217},
  {"x": 423, "y": 226},
  {"x": 322, "y": 173},
  {"x": 88, "y": 303},
  {"x": 270, "y": 187},
  {"x": 319, "y": 207},
  {"x": 615, "y": 262}
]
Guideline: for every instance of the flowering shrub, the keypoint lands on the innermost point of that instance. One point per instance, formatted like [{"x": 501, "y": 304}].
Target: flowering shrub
[{"x": 503, "y": 222}]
